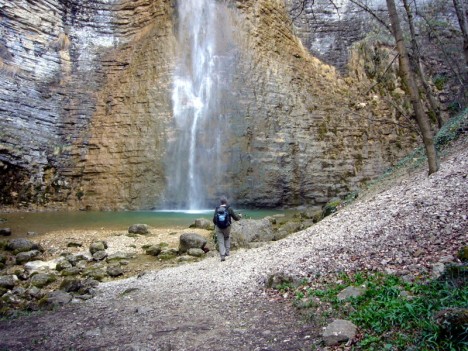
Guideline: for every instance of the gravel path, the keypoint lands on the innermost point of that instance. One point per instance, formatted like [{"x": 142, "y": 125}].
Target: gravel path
[{"x": 212, "y": 305}]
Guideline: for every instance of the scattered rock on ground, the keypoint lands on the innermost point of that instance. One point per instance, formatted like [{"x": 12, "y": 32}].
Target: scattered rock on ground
[
  {"x": 339, "y": 331},
  {"x": 138, "y": 229},
  {"x": 191, "y": 241}
]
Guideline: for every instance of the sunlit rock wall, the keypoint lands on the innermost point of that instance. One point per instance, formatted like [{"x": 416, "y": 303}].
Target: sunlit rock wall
[
  {"x": 86, "y": 111},
  {"x": 84, "y": 97}
]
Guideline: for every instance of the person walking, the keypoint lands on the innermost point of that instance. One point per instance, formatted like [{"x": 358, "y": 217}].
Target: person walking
[{"x": 222, "y": 221}]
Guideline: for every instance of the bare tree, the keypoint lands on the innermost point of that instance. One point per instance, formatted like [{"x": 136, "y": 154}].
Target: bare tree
[
  {"x": 417, "y": 64},
  {"x": 421, "y": 117},
  {"x": 461, "y": 14}
]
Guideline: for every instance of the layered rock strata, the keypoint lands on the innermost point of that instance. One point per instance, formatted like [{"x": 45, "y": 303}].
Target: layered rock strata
[{"x": 86, "y": 109}]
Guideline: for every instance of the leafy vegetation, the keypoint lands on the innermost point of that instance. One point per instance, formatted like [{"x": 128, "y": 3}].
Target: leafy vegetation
[{"x": 391, "y": 314}]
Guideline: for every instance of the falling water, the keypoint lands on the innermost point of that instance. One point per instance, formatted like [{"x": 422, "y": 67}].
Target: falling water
[{"x": 195, "y": 162}]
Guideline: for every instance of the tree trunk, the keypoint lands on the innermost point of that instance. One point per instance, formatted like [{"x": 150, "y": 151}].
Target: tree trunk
[
  {"x": 421, "y": 117},
  {"x": 419, "y": 69},
  {"x": 461, "y": 14}
]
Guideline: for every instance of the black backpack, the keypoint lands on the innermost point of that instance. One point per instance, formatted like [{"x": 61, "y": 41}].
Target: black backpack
[{"x": 223, "y": 219}]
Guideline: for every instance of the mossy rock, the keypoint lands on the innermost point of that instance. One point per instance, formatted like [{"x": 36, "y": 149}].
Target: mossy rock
[
  {"x": 463, "y": 254},
  {"x": 40, "y": 280},
  {"x": 331, "y": 207},
  {"x": 167, "y": 254}
]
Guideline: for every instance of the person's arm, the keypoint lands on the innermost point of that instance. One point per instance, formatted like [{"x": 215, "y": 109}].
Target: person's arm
[{"x": 234, "y": 215}]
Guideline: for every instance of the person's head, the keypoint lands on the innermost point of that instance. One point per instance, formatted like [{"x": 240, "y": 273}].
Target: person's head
[{"x": 223, "y": 200}]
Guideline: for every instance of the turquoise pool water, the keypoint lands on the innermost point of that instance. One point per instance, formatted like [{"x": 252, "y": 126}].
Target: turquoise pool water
[{"x": 43, "y": 222}]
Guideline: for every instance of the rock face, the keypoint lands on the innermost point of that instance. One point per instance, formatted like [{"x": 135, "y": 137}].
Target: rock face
[{"x": 86, "y": 109}]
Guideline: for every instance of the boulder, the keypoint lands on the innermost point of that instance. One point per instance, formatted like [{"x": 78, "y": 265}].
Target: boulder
[
  {"x": 138, "y": 229},
  {"x": 203, "y": 223},
  {"x": 168, "y": 254},
  {"x": 5, "y": 231},
  {"x": 63, "y": 264},
  {"x": 8, "y": 281},
  {"x": 251, "y": 230},
  {"x": 99, "y": 255},
  {"x": 40, "y": 266},
  {"x": 351, "y": 291},
  {"x": 114, "y": 270},
  {"x": 196, "y": 252},
  {"x": 339, "y": 331},
  {"x": 189, "y": 241},
  {"x": 40, "y": 280},
  {"x": 70, "y": 284},
  {"x": 26, "y": 256},
  {"x": 118, "y": 256},
  {"x": 56, "y": 298},
  {"x": 97, "y": 246},
  {"x": 22, "y": 245},
  {"x": 153, "y": 250}
]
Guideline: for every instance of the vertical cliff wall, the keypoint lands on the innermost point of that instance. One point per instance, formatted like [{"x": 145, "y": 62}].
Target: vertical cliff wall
[{"x": 86, "y": 111}]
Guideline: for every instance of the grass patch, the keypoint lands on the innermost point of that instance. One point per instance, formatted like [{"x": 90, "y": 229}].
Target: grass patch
[{"x": 393, "y": 314}]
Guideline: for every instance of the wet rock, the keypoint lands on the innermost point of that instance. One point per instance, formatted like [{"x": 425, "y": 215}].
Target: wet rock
[
  {"x": 41, "y": 280},
  {"x": 138, "y": 229},
  {"x": 5, "y": 231},
  {"x": 8, "y": 281},
  {"x": 339, "y": 331},
  {"x": 97, "y": 246},
  {"x": 191, "y": 240},
  {"x": 351, "y": 291},
  {"x": 27, "y": 256}
]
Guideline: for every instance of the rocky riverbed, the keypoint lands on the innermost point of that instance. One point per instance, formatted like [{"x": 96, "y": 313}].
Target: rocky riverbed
[{"x": 411, "y": 225}]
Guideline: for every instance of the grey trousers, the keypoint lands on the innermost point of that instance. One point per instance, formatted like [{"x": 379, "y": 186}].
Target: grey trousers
[{"x": 224, "y": 241}]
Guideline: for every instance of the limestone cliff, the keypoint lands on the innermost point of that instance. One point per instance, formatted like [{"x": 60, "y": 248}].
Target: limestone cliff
[{"x": 86, "y": 110}]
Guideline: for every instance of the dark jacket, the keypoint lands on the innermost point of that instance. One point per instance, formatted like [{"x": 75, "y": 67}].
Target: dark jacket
[{"x": 232, "y": 214}]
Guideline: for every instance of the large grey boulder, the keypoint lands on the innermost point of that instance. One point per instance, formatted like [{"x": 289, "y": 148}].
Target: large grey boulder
[
  {"x": 57, "y": 298},
  {"x": 251, "y": 230},
  {"x": 22, "y": 245},
  {"x": 8, "y": 281},
  {"x": 97, "y": 246},
  {"x": 339, "y": 331},
  {"x": 40, "y": 280},
  {"x": 203, "y": 223},
  {"x": 189, "y": 241},
  {"x": 138, "y": 229},
  {"x": 26, "y": 256}
]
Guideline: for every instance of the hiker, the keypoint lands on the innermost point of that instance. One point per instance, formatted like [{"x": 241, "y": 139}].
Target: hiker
[{"x": 222, "y": 220}]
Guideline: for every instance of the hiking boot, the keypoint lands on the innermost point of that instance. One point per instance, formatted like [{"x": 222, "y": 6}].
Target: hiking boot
[{"x": 223, "y": 258}]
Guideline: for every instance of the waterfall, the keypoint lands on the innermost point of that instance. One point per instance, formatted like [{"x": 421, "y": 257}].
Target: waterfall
[{"x": 194, "y": 160}]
